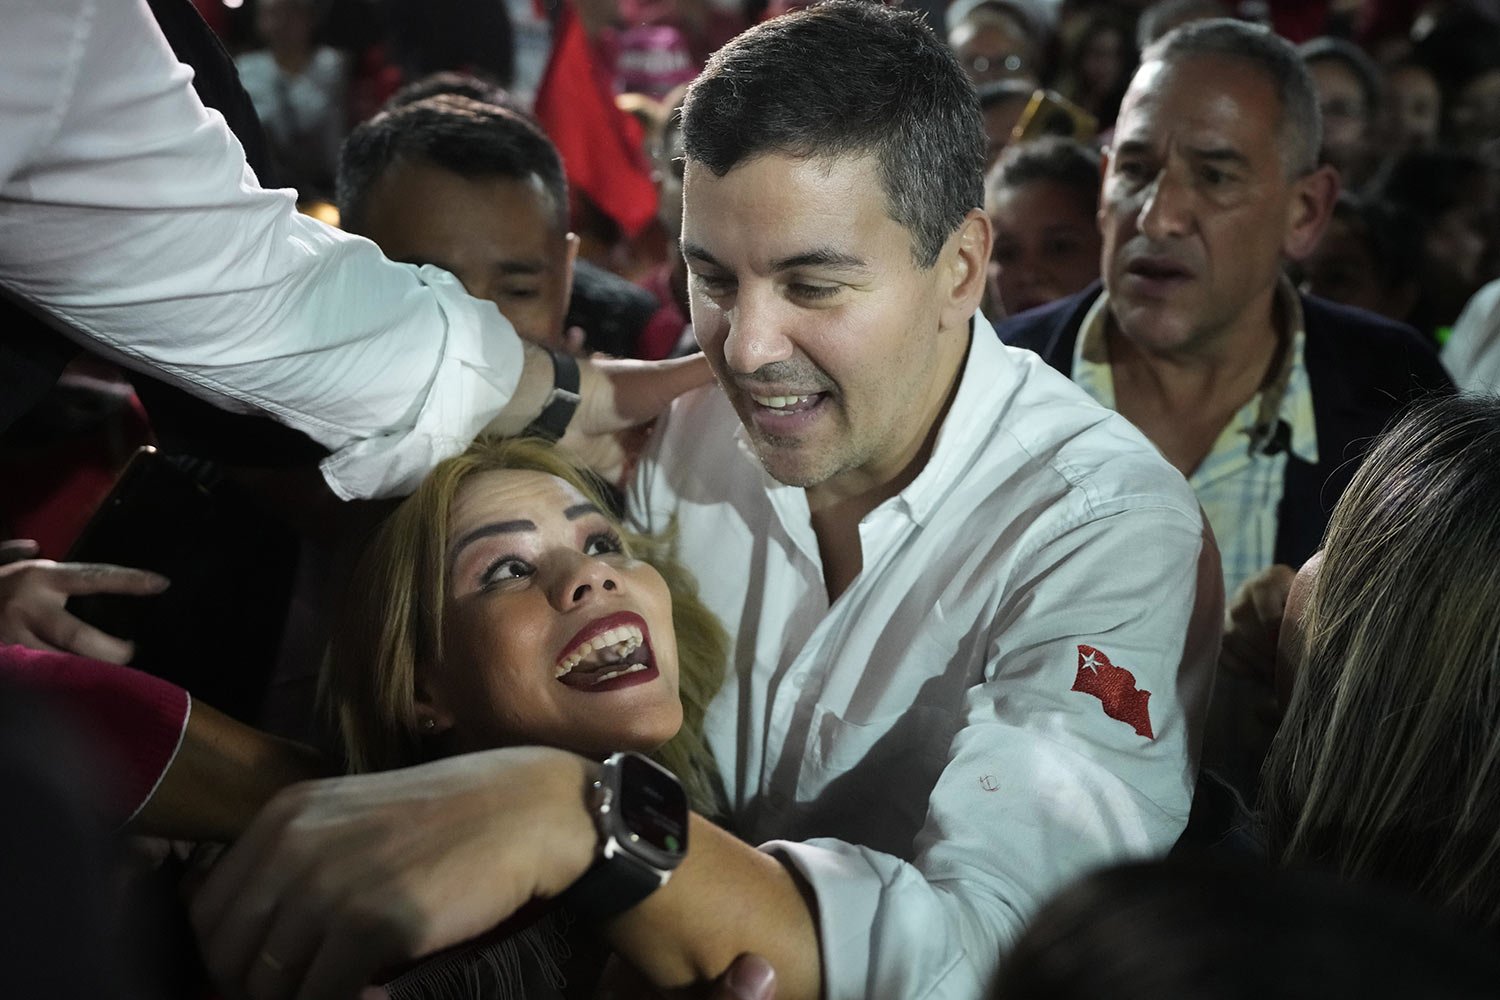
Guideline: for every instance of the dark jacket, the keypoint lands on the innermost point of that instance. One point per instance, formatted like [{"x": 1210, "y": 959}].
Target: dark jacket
[{"x": 1364, "y": 369}]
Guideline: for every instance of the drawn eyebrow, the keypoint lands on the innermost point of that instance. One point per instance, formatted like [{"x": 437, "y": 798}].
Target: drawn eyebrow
[
  {"x": 521, "y": 524},
  {"x": 487, "y": 531}
]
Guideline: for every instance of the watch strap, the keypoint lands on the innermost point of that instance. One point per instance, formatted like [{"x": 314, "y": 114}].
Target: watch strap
[
  {"x": 611, "y": 886},
  {"x": 553, "y": 421}
]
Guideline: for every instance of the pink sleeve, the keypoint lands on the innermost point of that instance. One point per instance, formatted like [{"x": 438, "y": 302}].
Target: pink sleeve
[{"x": 136, "y": 721}]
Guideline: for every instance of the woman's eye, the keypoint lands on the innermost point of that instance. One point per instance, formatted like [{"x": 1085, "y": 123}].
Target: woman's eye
[
  {"x": 603, "y": 543},
  {"x": 505, "y": 568}
]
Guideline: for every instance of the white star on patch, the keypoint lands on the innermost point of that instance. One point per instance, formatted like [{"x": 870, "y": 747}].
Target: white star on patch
[{"x": 1091, "y": 661}]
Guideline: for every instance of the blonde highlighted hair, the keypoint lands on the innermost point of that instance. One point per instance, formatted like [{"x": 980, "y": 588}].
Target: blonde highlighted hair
[
  {"x": 392, "y": 617},
  {"x": 1387, "y": 765}
]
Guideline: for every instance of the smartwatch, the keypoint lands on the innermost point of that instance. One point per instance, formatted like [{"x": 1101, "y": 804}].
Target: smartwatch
[
  {"x": 553, "y": 421},
  {"x": 641, "y": 814}
]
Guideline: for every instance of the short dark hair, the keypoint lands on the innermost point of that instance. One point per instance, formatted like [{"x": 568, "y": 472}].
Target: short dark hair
[
  {"x": 453, "y": 83},
  {"x": 849, "y": 77},
  {"x": 1301, "y": 121},
  {"x": 1217, "y": 929},
  {"x": 1051, "y": 158},
  {"x": 1352, "y": 58},
  {"x": 466, "y": 137}
]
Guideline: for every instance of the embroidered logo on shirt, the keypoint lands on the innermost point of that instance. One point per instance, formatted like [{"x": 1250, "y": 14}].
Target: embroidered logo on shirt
[{"x": 1115, "y": 688}]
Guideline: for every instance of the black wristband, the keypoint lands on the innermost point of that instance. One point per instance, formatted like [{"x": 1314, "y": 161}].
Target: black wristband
[{"x": 553, "y": 421}]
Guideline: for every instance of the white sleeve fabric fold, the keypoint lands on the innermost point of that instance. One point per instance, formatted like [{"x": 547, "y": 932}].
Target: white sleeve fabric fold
[{"x": 128, "y": 213}]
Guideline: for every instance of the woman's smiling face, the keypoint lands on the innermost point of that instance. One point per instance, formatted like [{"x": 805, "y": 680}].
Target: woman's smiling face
[{"x": 552, "y": 633}]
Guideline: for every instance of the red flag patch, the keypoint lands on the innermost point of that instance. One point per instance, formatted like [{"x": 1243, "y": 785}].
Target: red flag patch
[{"x": 1115, "y": 688}]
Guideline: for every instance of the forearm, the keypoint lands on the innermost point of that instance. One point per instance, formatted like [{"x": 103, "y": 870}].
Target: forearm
[
  {"x": 220, "y": 777},
  {"x": 530, "y": 396},
  {"x": 726, "y": 898}
]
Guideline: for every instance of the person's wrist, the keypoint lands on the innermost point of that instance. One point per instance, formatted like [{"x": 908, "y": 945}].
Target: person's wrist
[
  {"x": 557, "y": 787},
  {"x": 533, "y": 389}
]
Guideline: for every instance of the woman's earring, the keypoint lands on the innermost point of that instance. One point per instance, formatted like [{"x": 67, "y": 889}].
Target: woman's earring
[{"x": 429, "y": 724}]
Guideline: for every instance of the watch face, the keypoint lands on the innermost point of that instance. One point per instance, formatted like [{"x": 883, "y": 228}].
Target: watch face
[{"x": 653, "y": 808}]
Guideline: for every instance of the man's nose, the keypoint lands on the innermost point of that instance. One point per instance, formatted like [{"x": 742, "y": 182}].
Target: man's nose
[
  {"x": 1167, "y": 208},
  {"x": 756, "y": 336}
]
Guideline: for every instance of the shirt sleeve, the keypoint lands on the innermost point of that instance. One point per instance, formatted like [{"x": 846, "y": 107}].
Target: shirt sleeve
[
  {"x": 135, "y": 721},
  {"x": 1472, "y": 354},
  {"x": 1077, "y": 749},
  {"x": 129, "y": 216}
]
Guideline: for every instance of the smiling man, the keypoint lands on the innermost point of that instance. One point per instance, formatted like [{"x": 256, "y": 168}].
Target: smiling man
[{"x": 972, "y": 614}]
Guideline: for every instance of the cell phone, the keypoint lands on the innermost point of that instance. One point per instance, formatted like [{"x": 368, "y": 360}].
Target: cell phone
[
  {"x": 1050, "y": 113},
  {"x": 217, "y": 629}
]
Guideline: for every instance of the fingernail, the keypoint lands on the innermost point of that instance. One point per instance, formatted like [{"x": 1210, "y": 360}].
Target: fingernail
[{"x": 752, "y": 978}]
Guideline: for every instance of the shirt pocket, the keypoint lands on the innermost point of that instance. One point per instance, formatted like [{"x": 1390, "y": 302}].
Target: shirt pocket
[{"x": 869, "y": 781}]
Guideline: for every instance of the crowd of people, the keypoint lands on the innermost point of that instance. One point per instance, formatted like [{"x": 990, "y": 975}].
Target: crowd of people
[{"x": 834, "y": 500}]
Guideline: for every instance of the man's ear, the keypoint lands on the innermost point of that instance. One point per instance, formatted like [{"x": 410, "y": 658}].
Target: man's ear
[
  {"x": 1313, "y": 196},
  {"x": 965, "y": 260}
]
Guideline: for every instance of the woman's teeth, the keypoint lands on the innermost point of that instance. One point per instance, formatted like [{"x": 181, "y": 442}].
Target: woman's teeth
[{"x": 605, "y": 649}]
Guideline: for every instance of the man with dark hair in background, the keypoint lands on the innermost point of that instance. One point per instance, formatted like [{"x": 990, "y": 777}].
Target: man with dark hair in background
[
  {"x": 956, "y": 683},
  {"x": 475, "y": 189}
]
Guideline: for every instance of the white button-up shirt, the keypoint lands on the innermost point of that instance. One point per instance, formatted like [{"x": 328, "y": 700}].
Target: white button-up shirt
[
  {"x": 127, "y": 211},
  {"x": 963, "y": 731}
]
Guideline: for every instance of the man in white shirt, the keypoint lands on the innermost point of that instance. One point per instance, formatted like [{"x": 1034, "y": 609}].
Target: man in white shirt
[
  {"x": 973, "y": 614},
  {"x": 948, "y": 577},
  {"x": 129, "y": 217}
]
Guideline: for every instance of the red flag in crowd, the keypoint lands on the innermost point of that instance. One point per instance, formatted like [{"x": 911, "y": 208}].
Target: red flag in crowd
[
  {"x": 1115, "y": 688},
  {"x": 601, "y": 145}
]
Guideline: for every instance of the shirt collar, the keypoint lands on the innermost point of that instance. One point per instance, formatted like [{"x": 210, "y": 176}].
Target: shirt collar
[{"x": 1286, "y": 399}]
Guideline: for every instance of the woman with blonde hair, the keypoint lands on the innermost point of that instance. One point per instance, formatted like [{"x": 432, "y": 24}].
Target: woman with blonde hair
[
  {"x": 437, "y": 598},
  {"x": 502, "y": 604},
  {"x": 1386, "y": 767}
]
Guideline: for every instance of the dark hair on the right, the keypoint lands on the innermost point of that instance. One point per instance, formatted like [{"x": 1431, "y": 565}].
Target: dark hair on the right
[
  {"x": 1051, "y": 158},
  {"x": 1386, "y": 767},
  {"x": 471, "y": 139},
  {"x": 849, "y": 78},
  {"x": 1212, "y": 929}
]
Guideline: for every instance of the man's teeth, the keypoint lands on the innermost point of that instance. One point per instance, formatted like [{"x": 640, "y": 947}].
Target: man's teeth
[
  {"x": 781, "y": 402},
  {"x": 606, "y": 648}
]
